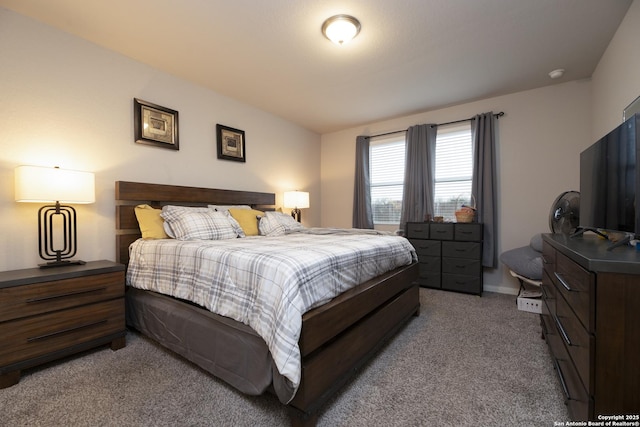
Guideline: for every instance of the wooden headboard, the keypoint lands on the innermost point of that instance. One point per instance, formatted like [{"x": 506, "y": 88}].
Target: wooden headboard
[{"x": 130, "y": 194}]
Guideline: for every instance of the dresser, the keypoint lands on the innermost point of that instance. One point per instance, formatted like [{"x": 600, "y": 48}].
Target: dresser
[
  {"x": 46, "y": 314},
  {"x": 591, "y": 322},
  {"x": 449, "y": 255}
]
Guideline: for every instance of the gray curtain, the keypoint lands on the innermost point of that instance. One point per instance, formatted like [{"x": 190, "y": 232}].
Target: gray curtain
[
  {"x": 419, "y": 184},
  {"x": 362, "y": 214},
  {"x": 483, "y": 185}
]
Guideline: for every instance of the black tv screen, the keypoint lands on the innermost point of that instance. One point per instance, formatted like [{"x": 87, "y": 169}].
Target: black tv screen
[{"x": 609, "y": 179}]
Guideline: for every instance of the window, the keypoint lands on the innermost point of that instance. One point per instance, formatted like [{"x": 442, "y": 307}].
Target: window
[
  {"x": 453, "y": 174},
  {"x": 386, "y": 157},
  {"x": 454, "y": 169}
]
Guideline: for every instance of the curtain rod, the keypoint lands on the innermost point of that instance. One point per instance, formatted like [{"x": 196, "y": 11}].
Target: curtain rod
[{"x": 497, "y": 116}]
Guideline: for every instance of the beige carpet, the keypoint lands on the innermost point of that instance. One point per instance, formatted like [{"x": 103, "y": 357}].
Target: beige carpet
[{"x": 466, "y": 361}]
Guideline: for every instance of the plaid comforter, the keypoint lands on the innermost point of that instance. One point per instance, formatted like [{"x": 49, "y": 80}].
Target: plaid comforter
[{"x": 267, "y": 283}]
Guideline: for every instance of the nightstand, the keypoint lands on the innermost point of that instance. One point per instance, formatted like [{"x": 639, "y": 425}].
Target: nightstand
[{"x": 46, "y": 314}]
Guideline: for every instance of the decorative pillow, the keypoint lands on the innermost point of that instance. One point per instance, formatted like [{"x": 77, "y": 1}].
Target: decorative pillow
[
  {"x": 236, "y": 226},
  {"x": 222, "y": 208},
  {"x": 277, "y": 224},
  {"x": 198, "y": 223},
  {"x": 248, "y": 220},
  {"x": 150, "y": 222}
]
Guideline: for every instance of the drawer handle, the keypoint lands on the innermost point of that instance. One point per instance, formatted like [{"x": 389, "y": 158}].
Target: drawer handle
[
  {"x": 563, "y": 282},
  {"x": 561, "y": 377},
  {"x": 565, "y": 337},
  {"x": 66, "y": 331},
  {"x": 68, "y": 294}
]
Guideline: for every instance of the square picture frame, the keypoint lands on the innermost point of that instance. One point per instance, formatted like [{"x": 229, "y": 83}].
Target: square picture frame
[
  {"x": 231, "y": 143},
  {"x": 155, "y": 125}
]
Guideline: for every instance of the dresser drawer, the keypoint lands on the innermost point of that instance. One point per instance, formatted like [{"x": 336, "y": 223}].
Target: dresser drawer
[
  {"x": 578, "y": 341},
  {"x": 430, "y": 280},
  {"x": 576, "y": 398},
  {"x": 470, "y": 250},
  {"x": 468, "y": 232},
  {"x": 464, "y": 266},
  {"x": 429, "y": 264},
  {"x": 548, "y": 256},
  {"x": 426, "y": 247},
  {"x": 35, "y": 336},
  {"x": 418, "y": 230},
  {"x": 441, "y": 231},
  {"x": 576, "y": 285},
  {"x": 549, "y": 293},
  {"x": 460, "y": 283},
  {"x": 28, "y": 300}
]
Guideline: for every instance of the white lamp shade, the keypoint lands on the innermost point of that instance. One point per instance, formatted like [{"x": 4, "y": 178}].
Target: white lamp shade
[
  {"x": 296, "y": 199},
  {"x": 43, "y": 185}
]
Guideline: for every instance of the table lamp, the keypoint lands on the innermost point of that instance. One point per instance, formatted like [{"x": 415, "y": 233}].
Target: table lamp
[
  {"x": 296, "y": 200},
  {"x": 54, "y": 185}
]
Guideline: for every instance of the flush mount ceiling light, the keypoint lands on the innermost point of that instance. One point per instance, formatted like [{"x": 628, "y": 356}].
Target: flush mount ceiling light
[
  {"x": 341, "y": 29},
  {"x": 556, "y": 74}
]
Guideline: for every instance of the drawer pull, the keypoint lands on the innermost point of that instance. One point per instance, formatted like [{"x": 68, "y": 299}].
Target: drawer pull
[
  {"x": 66, "y": 331},
  {"x": 68, "y": 294},
  {"x": 561, "y": 377},
  {"x": 565, "y": 337},
  {"x": 563, "y": 282}
]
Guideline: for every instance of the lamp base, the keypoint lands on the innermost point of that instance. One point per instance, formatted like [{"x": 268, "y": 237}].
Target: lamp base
[{"x": 62, "y": 263}]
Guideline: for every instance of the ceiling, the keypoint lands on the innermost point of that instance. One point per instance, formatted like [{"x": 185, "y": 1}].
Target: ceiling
[{"x": 410, "y": 56}]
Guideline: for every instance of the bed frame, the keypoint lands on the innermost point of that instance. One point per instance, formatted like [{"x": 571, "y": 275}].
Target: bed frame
[{"x": 337, "y": 338}]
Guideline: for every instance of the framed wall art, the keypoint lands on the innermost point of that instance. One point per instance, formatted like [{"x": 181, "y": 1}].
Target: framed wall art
[
  {"x": 231, "y": 143},
  {"x": 155, "y": 125}
]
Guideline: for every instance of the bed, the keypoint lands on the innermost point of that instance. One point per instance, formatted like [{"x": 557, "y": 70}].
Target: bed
[{"x": 335, "y": 338}]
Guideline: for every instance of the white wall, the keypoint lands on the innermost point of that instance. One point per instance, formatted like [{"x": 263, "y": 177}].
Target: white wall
[
  {"x": 539, "y": 141},
  {"x": 616, "y": 80},
  {"x": 67, "y": 102}
]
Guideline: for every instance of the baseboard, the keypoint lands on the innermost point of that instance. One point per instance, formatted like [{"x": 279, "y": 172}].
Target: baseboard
[{"x": 501, "y": 289}]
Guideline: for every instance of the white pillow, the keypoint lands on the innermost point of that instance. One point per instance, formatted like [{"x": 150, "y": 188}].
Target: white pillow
[
  {"x": 277, "y": 224},
  {"x": 188, "y": 223}
]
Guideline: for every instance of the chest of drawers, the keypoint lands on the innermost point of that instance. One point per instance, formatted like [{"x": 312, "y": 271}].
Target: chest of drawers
[
  {"x": 51, "y": 313},
  {"x": 591, "y": 301},
  {"x": 450, "y": 255}
]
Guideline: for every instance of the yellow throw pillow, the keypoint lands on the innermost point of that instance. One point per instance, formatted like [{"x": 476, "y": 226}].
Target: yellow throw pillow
[
  {"x": 150, "y": 222},
  {"x": 248, "y": 220}
]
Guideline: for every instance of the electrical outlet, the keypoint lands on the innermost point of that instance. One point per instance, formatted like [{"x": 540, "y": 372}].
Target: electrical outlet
[{"x": 533, "y": 305}]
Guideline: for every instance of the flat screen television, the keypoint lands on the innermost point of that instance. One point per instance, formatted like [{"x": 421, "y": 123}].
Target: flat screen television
[{"x": 609, "y": 181}]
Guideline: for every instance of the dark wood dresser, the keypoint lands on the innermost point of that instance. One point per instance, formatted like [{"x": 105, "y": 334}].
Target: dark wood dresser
[
  {"x": 450, "y": 255},
  {"x": 591, "y": 321},
  {"x": 46, "y": 314}
]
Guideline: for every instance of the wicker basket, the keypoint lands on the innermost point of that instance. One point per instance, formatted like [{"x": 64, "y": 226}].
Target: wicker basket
[{"x": 462, "y": 216}]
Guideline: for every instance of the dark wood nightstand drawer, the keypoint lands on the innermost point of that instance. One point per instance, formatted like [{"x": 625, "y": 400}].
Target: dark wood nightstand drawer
[
  {"x": 29, "y": 300},
  {"x": 35, "y": 336}
]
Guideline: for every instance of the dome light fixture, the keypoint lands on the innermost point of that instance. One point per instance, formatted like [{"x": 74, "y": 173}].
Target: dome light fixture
[
  {"x": 556, "y": 74},
  {"x": 341, "y": 29}
]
